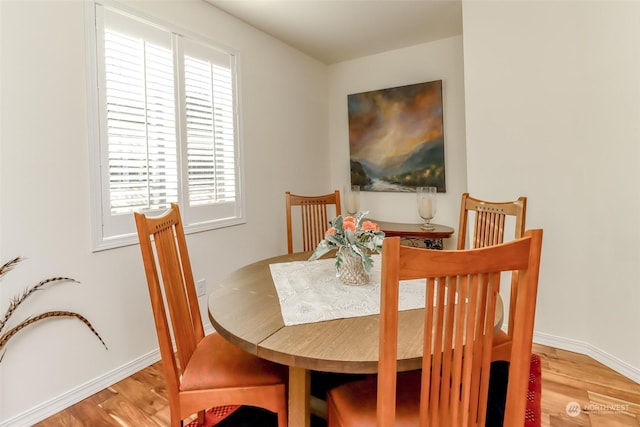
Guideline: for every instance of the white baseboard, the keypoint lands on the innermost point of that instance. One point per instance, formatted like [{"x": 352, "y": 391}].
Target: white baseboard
[
  {"x": 69, "y": 398},
  {"x": 73, "y": 396},
  {"x": 610, "y": 361}
]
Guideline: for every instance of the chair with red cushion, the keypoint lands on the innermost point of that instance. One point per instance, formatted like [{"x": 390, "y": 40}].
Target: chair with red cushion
[
  {"x": 207, "y": 371},
  {"x": 451, "y": 389}
]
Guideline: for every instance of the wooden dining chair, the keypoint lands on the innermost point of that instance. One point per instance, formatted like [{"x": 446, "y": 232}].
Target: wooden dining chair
[
  {"x": 489, "y": 223},
  {"x": 206, "y": 371},
  {"x": 451, "y": 389},
  {"x": 314, "y": 217}
]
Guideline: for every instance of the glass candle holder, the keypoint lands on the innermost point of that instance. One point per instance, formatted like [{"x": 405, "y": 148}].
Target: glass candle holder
[
  {"x": 352, "y": 199},
  {"x": 427, "y": 205}
]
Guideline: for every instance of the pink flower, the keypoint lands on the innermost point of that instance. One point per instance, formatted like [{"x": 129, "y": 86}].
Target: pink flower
[
  {"x": 348, "y": 219},
  {"x": 331, "y": 232},
  {"x": 349, "y": 225},
  {"x": 370, "y": 226}
]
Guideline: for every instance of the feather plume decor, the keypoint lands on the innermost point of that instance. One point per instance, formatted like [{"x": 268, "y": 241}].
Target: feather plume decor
[{"x": 19, "y": 299}]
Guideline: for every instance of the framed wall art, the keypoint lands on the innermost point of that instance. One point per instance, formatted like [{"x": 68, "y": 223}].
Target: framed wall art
[{"x": 396, "y": 138}]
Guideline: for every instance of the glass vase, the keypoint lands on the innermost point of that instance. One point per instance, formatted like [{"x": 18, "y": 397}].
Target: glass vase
[{"x": 351, "y": 270}]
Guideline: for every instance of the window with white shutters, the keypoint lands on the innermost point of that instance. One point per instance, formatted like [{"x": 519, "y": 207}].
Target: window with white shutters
[{"x": 166, "y": 127}]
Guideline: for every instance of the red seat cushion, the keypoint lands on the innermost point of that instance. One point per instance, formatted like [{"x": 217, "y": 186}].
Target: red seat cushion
[
  {"x": 216, "y": 363},
  {"x": 500, "y": 337},
  {"x": 354, "y": 404}
]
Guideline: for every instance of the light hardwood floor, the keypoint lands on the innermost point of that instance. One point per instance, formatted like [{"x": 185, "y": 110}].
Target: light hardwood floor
[{"x": 605, "y": 398}]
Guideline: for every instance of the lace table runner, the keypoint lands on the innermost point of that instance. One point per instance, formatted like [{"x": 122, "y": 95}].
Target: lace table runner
[{"x": 309, "y": 291}]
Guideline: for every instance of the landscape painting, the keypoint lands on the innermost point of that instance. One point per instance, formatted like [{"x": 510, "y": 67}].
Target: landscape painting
[{"x": 396, "y": 138}]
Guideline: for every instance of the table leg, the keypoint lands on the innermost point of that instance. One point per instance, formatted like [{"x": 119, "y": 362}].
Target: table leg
[{"x": 299, "y": 395}]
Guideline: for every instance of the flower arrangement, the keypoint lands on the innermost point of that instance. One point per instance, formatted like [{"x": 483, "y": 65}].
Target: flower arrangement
[{"x": 360, "y": 237}]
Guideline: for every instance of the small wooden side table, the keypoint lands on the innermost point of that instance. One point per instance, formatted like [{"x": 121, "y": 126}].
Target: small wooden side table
[{"x": 415, "y": 235}]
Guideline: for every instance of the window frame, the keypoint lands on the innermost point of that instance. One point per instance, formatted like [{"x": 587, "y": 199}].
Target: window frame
[{"x": 194, "y": 220}]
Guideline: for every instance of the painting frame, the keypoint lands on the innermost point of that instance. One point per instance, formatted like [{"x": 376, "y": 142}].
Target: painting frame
[{"x": 396, "y": 138}]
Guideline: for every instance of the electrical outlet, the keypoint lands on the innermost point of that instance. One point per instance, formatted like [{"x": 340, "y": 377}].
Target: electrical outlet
[{"x": 201, "y": 287}]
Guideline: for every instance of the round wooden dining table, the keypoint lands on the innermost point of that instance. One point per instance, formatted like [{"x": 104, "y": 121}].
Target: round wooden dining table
[{"x": 244, "y": 308}]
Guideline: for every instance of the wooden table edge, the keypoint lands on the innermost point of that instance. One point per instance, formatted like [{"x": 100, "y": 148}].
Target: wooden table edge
[{"x": 400, "y": 229}]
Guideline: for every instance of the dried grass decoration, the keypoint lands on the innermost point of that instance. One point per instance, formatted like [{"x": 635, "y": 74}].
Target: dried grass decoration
[{"x": 16, "y": 301}]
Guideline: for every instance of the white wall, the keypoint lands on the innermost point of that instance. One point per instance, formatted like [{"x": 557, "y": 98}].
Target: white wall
[
  {"x": 44, "y": 190},
  {"x": 439, "y": 60},
  {"x": 552, "y": 99},
  {"x": 552, "y": 95}
]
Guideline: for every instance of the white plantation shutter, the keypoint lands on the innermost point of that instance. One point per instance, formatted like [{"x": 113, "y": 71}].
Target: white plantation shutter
[
  {"x": 209, "y": 117},
  {"x": 210, "y": 132},
  {"x": 168, "y": 127},
  {"x": 141, "y": 129}
]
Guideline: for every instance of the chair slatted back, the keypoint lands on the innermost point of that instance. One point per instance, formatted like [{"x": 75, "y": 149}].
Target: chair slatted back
[
  {"x": 461, "y": 293},
  {"x": 313, "y": 215},
  {"x": 489, "y": 222},
  {"x": 163, "y": 245},
  {"x": 489, "y": 228}
]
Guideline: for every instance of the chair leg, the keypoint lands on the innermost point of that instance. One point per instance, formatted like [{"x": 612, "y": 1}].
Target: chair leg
[
  {"x": 332, "y": 420},
  {"x": 282, "y": 420},
  {"x": 282, "y": 415}
]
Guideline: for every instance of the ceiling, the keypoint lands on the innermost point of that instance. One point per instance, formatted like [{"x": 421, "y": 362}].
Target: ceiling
[{"x": 339, "y": 30}]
